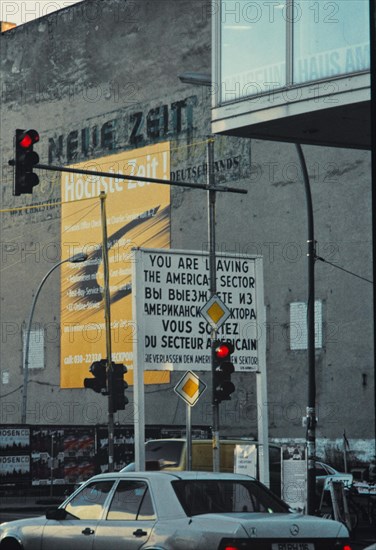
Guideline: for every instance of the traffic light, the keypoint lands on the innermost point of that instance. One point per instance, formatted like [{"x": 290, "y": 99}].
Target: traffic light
[
  {"x": 118, "y": 386},
  {"x": 222, "y": 371},
  {"x": 99, "y": 383},
  {"x": 25, "y": 160}
]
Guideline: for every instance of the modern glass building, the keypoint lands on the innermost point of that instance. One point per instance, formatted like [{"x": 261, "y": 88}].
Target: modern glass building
[{"x": 292, "y": 70}]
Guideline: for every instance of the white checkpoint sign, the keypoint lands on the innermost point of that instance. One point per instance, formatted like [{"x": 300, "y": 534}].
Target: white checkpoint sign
[{"x": 171, "y": 288}]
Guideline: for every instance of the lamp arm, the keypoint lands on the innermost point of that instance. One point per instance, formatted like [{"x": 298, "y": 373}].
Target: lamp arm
[{"x": 27, "y": 342}]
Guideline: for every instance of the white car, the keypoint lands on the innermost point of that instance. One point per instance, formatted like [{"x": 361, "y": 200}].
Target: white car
[
  {"x": 173, "y": 511},
  {"x": 326, "y": 473}
]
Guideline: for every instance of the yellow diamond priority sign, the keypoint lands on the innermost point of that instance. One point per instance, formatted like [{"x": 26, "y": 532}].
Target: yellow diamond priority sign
[
  {"x": 190, "y": 388},
  {"x": 215, "y": 312}
]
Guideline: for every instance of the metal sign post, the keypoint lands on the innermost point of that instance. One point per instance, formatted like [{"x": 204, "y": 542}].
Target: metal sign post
[
  {"x": 189, "y": 437},
  {"x": 213, "y": 292},
  {"x": 107, "y": 315},
  {"x": 189, "y": 388}
]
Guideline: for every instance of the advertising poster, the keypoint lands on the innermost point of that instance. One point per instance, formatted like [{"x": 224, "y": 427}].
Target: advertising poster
[
  {"x": 14, "y": 440},
  {"x": 47, "y": 457},
  {"x": 14, "y": 469},
  {"x": 79, "y": 454},
  {"x": 138, "y": 214},
  {"x": 294, "y": 474}
]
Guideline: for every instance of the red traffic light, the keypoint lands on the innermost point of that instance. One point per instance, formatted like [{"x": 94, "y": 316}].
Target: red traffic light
[
  {"x": 28, "y": 138},
  {"x": 25, "y": 160},
  {"x": 223, "y": 350},
  {"x": 223, "y": 368}
]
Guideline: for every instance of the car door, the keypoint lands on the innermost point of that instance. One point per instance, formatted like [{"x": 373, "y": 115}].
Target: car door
[
  {"x": 79, "y": 519},
  {"x": 129, "y": 520}
]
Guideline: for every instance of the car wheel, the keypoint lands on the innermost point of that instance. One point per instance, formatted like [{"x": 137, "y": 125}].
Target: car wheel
[{"x": 10, "y": 544}]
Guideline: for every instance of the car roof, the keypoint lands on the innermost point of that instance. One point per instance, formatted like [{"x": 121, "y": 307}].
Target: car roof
[
  {"x": 232, "y": 441},
  {"x": 182, "y": 475}
]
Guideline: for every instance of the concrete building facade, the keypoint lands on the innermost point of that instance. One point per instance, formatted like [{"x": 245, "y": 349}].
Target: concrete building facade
[{"x": 100, "y": 78}]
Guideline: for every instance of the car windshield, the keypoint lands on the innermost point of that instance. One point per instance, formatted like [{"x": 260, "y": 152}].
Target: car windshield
[{"x": 226, "y": 496}]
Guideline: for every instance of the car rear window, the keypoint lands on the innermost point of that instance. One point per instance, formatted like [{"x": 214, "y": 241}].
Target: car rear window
[
  {"x": 226, "y": 496},
  {"x": 168, "y": 453}
]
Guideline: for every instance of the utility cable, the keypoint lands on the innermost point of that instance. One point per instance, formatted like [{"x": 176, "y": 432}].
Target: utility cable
[{"x": 343, "y": 269}]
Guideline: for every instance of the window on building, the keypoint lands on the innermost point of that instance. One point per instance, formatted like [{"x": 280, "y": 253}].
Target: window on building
[
  {"x": 36, "y": 348},
  {"x": 330, "y": 39},
  {"x": 253, "y": 48},
  {"x": 270, "y": 45},
  {"x": 298, "y": 325}
]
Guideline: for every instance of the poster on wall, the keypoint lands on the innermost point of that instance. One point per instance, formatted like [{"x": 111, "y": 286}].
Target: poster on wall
[
  {"x": 138, "y": 214},
  {"x": 15, "y": 468},
  {"x": 65, "y": 455},
  {"x": 13, "y": 439},
  {"x": 294, "y": 474},
  {"x": 47, "y": 457},
  {"x": 79, "y": 454}
]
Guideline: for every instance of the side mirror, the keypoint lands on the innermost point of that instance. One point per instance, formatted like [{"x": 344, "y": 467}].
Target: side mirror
[{"x": 56, "y": 514}]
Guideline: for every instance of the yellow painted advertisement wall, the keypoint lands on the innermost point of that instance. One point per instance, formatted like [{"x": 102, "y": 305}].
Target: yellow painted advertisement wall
[{"x": 138, "y": 214}]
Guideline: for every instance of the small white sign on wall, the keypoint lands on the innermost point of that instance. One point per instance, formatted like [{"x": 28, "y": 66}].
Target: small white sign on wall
[
  {"x": 298, "y": 325},
  {"x": 245, "y": 460},
  {"x": 36, "y": 348}
]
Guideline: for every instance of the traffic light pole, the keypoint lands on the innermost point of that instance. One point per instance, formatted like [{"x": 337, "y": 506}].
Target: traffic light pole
[
  {"x": 51, "y": 168},
  {"x": 213, "y": 292},
  {"x": 107, "y": 315},
  {"x": 311, "y": 406},
  {"x": 372, "y": 18}
]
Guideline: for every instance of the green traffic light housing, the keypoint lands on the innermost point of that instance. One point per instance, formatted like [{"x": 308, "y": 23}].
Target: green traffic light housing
[
  {"x": 119, "y": 385},
  {"x": 107, "y": 381},
  {"x": 25, "y": 160},
  {"x": 222, "y": 370},
  {"x": 99, "y": 383}
]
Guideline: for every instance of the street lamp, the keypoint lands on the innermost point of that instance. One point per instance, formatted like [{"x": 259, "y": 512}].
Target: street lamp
[
  {"x": 77, "y": 258},
  {"x": 198, "y": 79}
]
